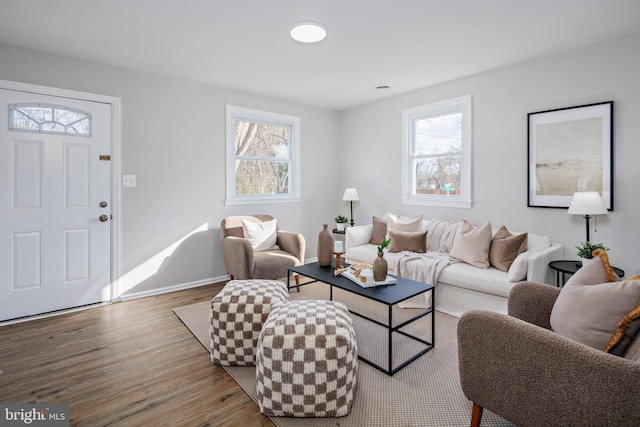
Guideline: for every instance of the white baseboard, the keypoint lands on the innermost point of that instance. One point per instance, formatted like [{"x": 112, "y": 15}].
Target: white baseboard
[
  {"x": 180, "y": 287},
  {"x": 172, "y": 288}
]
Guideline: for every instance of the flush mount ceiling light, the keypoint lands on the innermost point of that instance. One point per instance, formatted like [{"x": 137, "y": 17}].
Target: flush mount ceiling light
[{"x": 308, "y": 32}]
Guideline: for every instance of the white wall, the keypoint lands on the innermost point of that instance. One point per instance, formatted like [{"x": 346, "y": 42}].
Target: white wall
[
  {"x": 501, "y": 101},
  {"x": 173, "y": 140}
]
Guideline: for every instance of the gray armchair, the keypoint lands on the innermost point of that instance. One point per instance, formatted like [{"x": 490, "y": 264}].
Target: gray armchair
[
  {"x": 243, "y": 263},
  {"x": 518, "y": 368}
]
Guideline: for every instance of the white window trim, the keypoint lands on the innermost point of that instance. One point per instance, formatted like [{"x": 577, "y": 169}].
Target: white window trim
[
  {"x": 233, "y": 113},
  {"x": 464, "y": 200}
]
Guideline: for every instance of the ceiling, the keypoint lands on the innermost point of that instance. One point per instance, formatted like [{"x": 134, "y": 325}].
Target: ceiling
[{"x": 245, "y": 44}]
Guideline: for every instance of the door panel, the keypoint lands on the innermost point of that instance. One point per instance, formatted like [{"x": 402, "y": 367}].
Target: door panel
[
  {"x": 54, "y": 250},
  {"x": 26, "y": 165}
]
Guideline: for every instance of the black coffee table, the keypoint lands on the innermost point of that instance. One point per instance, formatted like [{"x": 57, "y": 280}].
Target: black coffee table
[{"x": 388, "y": 294}]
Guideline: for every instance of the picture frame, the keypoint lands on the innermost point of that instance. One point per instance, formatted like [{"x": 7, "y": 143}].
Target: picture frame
[{"x": 569, "y": 150}]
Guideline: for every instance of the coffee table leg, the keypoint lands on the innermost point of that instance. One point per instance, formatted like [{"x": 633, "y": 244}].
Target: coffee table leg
[{"x": 390, "y": 340}]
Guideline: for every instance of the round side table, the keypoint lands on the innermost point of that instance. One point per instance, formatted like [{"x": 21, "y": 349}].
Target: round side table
[{"x": 570, "y": 267}]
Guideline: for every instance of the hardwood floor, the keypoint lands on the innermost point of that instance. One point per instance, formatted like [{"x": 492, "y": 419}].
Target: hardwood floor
[{"x": 131, "y": 363}]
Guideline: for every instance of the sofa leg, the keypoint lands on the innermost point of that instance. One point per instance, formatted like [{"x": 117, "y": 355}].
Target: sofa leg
[
  {"x": 297, "y": 277},
  {"x": 476, "y": 415}
]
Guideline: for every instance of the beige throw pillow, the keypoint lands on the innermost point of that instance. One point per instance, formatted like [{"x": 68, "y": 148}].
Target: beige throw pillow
[
  {"x": 407, "y": 224},
  {"x": 405, "y": 241},
  {"x": 261, "y": 235},
  {"x": 590, "y": 313},
  {"x": 471, "y": 244},
  {"x": 505, "y": 247},
  {"x": 592, "y": 304}
]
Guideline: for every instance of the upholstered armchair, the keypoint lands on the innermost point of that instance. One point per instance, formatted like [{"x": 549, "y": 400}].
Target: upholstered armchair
[
  {"x": 518, "y": 368},
  {"x": 242, "y": 262}
]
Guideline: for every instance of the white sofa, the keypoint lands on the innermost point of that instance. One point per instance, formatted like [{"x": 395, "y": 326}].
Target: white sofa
[{"x": 460, "y": 286}]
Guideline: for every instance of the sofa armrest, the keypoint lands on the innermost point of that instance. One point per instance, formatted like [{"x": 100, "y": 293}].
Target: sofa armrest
[
  {"x": 534, "y": 377},
  {"x": 357, "y": 235},
  {"x": 293, "y": 243},
  {"x": 532, "y": 302},
  {"x": 238, "y": 257},
  {"x": 538, "y": 264}
]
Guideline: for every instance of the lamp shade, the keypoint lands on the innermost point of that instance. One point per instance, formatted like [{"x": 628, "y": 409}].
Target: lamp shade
[
  {"x": 350, "y": 194},
  {"x": 587, "y": 203}
]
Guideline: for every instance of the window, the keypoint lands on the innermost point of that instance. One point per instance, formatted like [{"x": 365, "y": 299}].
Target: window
[
  {"x": 46, "y": 118},
  {"x": 436, "y": 161},
  {"x": 262, "y": 156}
]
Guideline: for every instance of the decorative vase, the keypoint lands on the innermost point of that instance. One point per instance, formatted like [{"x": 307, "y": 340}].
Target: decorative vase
[
  {"x": 325, "y": 246},
  {"x": 380, "y": 268},
  {"x": 340, "y": 226},
  {"x": 585, "y": 261}
]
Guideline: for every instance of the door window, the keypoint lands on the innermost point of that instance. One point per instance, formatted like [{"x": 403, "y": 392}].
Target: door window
[{"x": 45, "y": 118}]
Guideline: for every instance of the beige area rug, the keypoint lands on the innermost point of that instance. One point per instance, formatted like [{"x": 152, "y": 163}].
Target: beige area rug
[{"x": 425, "y": 393}]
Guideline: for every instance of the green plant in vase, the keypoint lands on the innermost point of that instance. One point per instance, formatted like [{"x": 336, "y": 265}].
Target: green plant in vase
[
  {"x": 383, "y": 245},
  {"x": 341, "y": 222},
  {"x": 380, "y": 266},
  {"x": 585, "y": 249}
]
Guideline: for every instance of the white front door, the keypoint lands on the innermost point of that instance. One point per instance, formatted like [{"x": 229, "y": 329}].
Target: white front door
[{"x": 55, "y": 205}]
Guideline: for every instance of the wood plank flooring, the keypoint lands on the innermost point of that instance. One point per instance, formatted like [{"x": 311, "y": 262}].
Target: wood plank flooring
[{"x": 131, "y": 363}]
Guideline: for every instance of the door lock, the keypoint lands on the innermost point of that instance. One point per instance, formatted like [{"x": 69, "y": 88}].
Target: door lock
[{"x": 103, "y": 204}]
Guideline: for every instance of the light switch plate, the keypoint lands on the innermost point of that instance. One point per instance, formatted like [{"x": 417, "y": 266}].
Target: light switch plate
[{"x": 128, "y": 180}]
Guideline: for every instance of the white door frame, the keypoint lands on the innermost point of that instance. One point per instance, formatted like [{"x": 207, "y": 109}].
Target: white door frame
[{"x": 114, "y": 163}]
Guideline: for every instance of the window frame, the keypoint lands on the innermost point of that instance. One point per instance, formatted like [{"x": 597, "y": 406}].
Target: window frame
[
  {"x": 410, "y": 116},
  {"x": 234, "y": 113}
]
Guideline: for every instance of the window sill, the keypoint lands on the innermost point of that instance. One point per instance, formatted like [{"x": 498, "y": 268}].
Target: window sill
[
  {"x": 462, "y": 204},
  {"x": 261, "y": 201}
]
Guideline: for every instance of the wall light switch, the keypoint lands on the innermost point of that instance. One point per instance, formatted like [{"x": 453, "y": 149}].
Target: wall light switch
[{"x": 128, "y": 180}]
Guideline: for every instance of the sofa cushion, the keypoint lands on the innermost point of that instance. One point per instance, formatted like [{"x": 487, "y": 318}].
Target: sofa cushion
[
  {"x": 379, "y": 231},
  {"x": 505, "y": 247},
  {"x": 403, "y": 223},
  {"x": 490, "y": 281},
  {"x": 405, "y": 241},
  {"x": 261, "y": 235},
  {"x": 471, "y": 244},
  {"x": 589, "y": 308}
]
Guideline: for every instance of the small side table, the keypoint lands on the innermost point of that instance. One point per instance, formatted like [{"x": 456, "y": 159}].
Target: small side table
[{"x": 570, "y": 267}]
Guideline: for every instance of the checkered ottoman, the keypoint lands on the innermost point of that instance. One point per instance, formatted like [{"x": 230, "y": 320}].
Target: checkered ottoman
[
  {"x": 236, "y": 318},
  {"x": 307, "y": 360}
]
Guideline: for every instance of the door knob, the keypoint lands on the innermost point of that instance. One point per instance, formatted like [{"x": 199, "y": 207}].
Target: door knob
[{"x": 103, "y": 218}]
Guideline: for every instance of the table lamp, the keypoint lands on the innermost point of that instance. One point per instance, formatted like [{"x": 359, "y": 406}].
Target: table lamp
[
  {"x": 351, "y": 195},
  {"x": 587, "y": 203}
]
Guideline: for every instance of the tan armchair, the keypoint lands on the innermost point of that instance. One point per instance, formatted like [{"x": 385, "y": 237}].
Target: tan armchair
[
  {"x": 243, "y": 263},
  {"x": 518, "y": 368}
]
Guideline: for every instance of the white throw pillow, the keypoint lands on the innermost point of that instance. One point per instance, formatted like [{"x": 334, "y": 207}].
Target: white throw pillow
[
  {"x": 261, "y": 235},
  {"x": 518, "y": 270}
]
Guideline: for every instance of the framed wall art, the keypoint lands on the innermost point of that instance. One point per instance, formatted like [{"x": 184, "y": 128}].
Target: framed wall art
[{"x": 569, "y": 150}]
